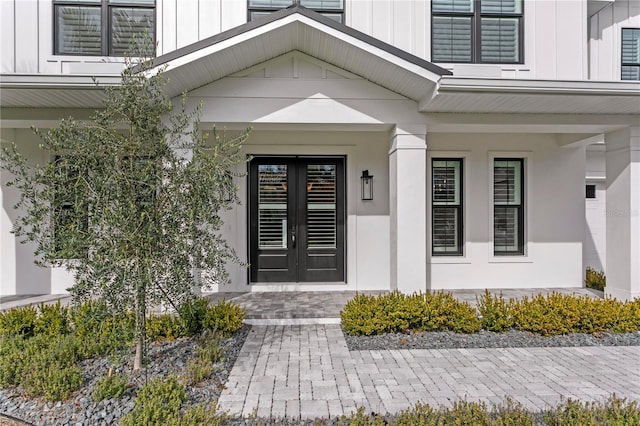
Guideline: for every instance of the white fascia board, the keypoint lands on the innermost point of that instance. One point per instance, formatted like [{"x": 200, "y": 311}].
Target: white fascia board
[
  {"x": 55, "y": 81},
  {"x": 224, "y": 44},
  {"x": 515, "y": 86}
]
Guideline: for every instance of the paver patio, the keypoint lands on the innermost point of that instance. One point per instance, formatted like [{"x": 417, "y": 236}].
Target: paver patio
[{"x": 307, "y": 371}]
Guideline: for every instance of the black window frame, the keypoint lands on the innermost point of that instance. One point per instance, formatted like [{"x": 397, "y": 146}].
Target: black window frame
[
  {"x": 321, "y": 11},
  {"x": 520, "y": 208},
  {"x": 628, "y": 64},
  {"x": 459, "y": 208},
  {"x": 476, "y": 30},
  {"x": 65, "y": 211},
  {"x": 590, "y": 191},
  {"x": 105, "y": 6}
]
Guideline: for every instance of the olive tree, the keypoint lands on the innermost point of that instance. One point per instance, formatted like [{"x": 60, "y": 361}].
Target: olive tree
[{"x": 131, "y": 199}]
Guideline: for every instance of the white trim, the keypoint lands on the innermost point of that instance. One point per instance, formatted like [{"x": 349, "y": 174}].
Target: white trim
[
  {"x": 52, "y": 81},
  {"x": 466, "y": 248},
  {"x": 527, "y": 156}
]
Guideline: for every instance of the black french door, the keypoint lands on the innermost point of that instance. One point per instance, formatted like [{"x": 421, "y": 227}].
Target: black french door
[{"x": 296, "y": 216}]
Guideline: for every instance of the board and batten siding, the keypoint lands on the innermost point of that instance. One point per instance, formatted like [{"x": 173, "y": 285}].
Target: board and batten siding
[
  {"x": 555, "y": 34},
  {"x": 605, "y": 28}
]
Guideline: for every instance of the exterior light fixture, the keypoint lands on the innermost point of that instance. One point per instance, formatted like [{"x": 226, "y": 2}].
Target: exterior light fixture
[{"x": 367, "y": 185}]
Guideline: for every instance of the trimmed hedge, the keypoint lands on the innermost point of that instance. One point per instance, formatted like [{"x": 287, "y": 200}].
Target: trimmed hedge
[
  {"x": 396, "y": 312},
  {"x": 546, "y": 315}
]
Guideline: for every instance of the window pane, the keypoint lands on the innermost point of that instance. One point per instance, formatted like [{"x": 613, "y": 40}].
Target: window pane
[
  {"x": 335, "y": 16},
  {"x": 501, "y": 6},
  {"x": 445, "y": 230},
  {"x": 272, "y": 206},
  {"x": 446, "y": 182},
  {"x": 125, "y": 22},
  {"x": 322, "y": 4},
  {"x": 455, "y": 6},
  {"x": 507, "y": 178},
  {"x": 275, "y": 4},
  {"x": 140, "y": 2},
  {"x": 500, "y": 38},
  {"x": 505, "y": 229},
  {"x": 256, "y": 15},
  {"x": 78, "y": 30},
  {"x": 631, "y": 73},
  {"x": 451, "y": 39}
]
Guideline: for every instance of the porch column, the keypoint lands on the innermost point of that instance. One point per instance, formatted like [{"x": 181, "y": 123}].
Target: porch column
[
  {"x": 408, "y": 210},
  {"x": 623, "y": 213}
]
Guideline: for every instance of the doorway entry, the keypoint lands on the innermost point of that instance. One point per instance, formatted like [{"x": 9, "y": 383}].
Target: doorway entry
[{"x": 296, "y": 217}]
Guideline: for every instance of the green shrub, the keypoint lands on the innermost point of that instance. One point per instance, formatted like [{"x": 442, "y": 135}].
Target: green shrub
[
  {"x": 198, "y": 370},
  {"x": 109, "y": 386},
  {"x": 209, "y": 348},
  {"x": 419, "y": 414},
  {"x": 511, "y": 414},
  {"x": 397, "y": 312},
  {"x": 52, "y": 320},
  {"x": 158, "y": 402},
  {"x": 553, "y": 314},
  {"x": 87, "y": 318},
  {"x": 12, "y": 360},
  {"x": 224, "y": 318},
  {"x": 198, "y": 416},
  {"x": 163, "y": 327},
  {"x": 192, "y": 314},
  {"x": 614, "y": 412},
  {"x": 595, "y": 279},
  {"x": 18, "y": 321},
  {"x": 495, "y": 313},
  {"x": 360, "y": 418},
  {"x": 50, "y": 368}
]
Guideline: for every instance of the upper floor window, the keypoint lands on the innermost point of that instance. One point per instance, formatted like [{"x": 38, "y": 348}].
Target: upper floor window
[
  {"x": 631, "y": 53},
  {"x": 333, "y": 9},
  {"x": 100, "y": 27},
  {"x": 480, "y": 31}
]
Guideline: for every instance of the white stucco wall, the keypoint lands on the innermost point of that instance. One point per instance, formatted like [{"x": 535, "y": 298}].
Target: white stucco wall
[
  {"x": 555, "y": 45},
  {"x": 554, "y": 208},
  {"x": 18, "y": 273},
  {"x": 605, "y": 35},
  {"x": 595, "y": 238}
]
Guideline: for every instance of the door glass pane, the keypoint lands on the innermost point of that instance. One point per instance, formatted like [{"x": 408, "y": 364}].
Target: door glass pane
[
  {"x": 321, "y": 206},
  {"x": 451, "y": 39},
  {"x": 272, "y": 206},
  {"x": 500, "y": 38},
  {"x": 78, "y": 30}
]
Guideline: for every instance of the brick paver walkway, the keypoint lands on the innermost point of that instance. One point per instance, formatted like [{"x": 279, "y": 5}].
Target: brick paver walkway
[{"x": 307, "y": 371}]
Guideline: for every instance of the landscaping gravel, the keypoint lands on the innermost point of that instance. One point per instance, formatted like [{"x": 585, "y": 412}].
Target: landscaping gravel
[
  {"x": 486, "y": 339},
  {"x": 166, "y": 357}
]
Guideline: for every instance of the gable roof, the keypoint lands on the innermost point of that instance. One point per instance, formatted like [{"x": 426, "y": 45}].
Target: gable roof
[{"x": 301, "y": 29}]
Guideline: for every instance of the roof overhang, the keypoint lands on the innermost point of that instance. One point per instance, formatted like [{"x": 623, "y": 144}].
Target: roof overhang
[
  {"x": 53, "y": 91},
  {"x": 515, "y": 96}
]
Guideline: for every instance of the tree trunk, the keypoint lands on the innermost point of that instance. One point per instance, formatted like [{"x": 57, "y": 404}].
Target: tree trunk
[{"x": 140, "y": 327}]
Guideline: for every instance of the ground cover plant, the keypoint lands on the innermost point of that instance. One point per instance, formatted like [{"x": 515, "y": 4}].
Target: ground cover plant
[
  {"x": 548, "y": 315},
  {"x": 41, "y": 348},
  {"x": 595, "y": 279}
]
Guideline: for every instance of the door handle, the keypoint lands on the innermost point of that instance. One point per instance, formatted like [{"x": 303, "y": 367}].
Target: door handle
[{"x": 293, "y": 239}]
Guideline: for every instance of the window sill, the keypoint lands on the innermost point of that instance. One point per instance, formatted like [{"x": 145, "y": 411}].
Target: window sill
[{"x": 449, "y": 260}]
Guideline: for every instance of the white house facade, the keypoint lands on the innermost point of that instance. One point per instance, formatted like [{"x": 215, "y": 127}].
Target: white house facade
[{"x": 396, "y": 144}]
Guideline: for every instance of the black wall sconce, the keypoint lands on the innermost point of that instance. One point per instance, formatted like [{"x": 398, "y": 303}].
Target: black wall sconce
[{"x": 367, "y": 185}]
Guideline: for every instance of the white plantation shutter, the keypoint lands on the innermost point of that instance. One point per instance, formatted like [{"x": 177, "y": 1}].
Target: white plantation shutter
[
  {"x": 452, "y": 6},
  {"x": 79, "y": 30},
  {"x": 272, "y": 206},
  {"x": 270, "y": 3},
  {"x": 501, "y": 6},
  {"x": 631, "y": 53},
  {"x": 321, "y": 206},
  {"x": 451, "y": 39},
  {"x": 127, "y": 22},
  {"x": 500, "y": 39},
  {"x": 322, "y": 4},
  {"x": 508, "y": 205},
  {"x": 446, "y": 206}
]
